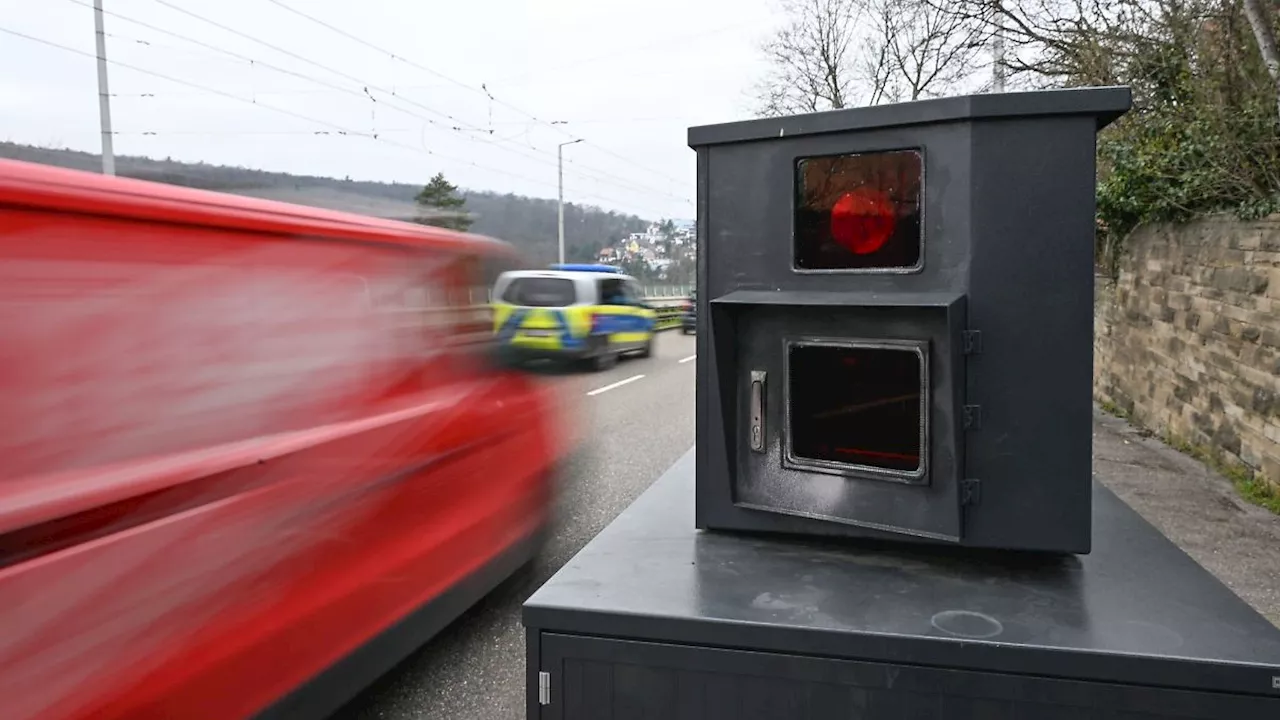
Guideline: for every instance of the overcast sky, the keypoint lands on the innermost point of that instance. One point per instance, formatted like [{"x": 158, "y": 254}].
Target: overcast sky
[{"x": 628, "y": 77}]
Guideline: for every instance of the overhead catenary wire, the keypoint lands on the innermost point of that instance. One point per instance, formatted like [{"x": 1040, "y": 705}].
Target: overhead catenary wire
[
  {"x": 284, "y": 111},
  {"x": 364, "y": 94},
  {"x": 482, "y": 89},
  {"x": 620, "y": 182}
]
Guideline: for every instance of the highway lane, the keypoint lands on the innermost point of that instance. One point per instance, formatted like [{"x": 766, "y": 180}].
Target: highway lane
[{"x": 634, "y": 421}]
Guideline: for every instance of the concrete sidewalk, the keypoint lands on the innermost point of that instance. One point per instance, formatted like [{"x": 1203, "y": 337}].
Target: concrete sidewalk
[{"x": 1194, "y": 507}]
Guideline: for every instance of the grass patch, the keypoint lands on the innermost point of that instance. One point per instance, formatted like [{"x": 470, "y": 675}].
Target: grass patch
[
  {"x": 1111, "y": 408},
  {"x": 1248, "y": 483}
]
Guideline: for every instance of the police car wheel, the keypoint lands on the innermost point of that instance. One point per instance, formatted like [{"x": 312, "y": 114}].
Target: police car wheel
[
  {"x": 604, "y": 360},
  {"x": 647, "y": 350}
]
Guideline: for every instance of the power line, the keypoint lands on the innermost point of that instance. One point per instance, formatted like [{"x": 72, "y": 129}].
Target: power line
[
  {"x": 188, "y": 83},
  {"x": 337, "y": 88},
  {"x": 620, "y": 182},
  {"x": 301, "y": 58},
  {"x": 481, "y": 89},
  {"x": 342, "y": 130},
  {"x": 158, "y": 133}
]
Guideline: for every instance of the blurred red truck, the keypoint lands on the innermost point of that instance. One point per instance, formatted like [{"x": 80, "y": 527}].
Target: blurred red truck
[{"x": 251, "y": 454}]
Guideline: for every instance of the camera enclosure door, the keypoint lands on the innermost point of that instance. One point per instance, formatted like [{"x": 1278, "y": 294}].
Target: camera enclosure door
[{"x": 850, "y": 411}]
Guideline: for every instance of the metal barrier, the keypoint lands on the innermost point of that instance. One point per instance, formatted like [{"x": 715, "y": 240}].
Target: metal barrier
[
  {"x": 668, "y": 317},
  {"x": 656, "y": 292},
  {"x": 668, "y": 309}
]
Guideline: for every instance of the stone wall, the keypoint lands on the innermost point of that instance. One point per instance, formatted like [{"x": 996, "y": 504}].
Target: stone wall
[{"x": 1187, "y": 339}]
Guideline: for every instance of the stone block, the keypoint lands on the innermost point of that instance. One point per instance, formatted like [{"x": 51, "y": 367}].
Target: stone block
[
  {"x": 1270, "y": 470},
  {"x": 1271, "y": 431},
  {"x": 1271, "y": 337},
  {"x": 1264, "y": 401},
  {"x": 1247, "y": 238},
  {"x": 1272, "y": 286}
]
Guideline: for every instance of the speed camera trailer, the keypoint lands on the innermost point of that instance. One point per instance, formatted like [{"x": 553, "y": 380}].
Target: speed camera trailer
[
  {"x": 898, "y": 320},
  {"x": 894, "y": 343}
]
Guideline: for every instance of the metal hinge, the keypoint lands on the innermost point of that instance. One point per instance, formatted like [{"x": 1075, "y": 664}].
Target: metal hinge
[
  {"x": 970, "y": 492},
  {"x": 544, "y": 688},
  {"x": 972, "y": 342},
  {"x": 972, "y": 417}
]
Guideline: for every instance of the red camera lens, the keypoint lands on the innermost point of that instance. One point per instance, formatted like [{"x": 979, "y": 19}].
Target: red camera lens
[
  {"x": 862, "y": 221},
  {"x": 859, "y": 212}
]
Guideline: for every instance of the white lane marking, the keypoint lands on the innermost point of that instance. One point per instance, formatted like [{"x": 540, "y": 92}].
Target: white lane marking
[
  {"x": 618, "y": 384},
  {"x": 688, "y": 358}
]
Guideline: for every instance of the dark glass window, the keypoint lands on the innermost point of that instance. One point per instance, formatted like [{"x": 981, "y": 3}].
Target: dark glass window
[
  {"x": 859, "y": 212},
  {"x": 613, "y": 292},
  {"x": 540, "y": 292},
  {"x": 858, "y": 406}
]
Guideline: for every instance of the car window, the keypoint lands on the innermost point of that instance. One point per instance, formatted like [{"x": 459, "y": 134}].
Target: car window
[
  {"x": 540, "y": 292},
  {"x": 634, "y": 294},
  {"x": 613, "y": 292}
]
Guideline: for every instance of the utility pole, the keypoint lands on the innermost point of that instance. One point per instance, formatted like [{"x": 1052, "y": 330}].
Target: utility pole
[
  {"x": 997, "y": 52},
  {"x": 560, "y": 169},
  {"x": 104, "y": 97}
]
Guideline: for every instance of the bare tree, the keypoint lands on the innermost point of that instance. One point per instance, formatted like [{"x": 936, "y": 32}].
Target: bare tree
[
  {"x": 1051, "y": 42},
  {"x": 837, "y": 53},
  {"x": 810, "y": 58},
  {"x": 930, "y": 48},
  {"x": 1264, "y": 33}
]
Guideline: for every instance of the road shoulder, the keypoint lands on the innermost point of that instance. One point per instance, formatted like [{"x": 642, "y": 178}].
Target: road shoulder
[{"x": 1194, "y": 507}]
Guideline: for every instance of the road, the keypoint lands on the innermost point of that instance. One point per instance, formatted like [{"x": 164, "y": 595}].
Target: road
[{"x": 632, "y": 428}]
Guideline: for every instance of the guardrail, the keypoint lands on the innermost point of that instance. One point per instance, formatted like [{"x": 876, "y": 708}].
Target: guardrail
[
  {"x": 655, "y": 292},
  {"x": 668, "y": 317}
]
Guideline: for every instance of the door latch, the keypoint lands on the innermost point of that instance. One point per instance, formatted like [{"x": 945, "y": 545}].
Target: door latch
[{"x": 757, "y": 411}]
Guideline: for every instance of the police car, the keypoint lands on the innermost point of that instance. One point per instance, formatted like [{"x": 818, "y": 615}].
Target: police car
[{"x": 590, "y": 313}]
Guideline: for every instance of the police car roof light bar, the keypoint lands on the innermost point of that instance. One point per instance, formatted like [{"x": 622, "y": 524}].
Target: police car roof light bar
[{"x": 585, "y": 267}]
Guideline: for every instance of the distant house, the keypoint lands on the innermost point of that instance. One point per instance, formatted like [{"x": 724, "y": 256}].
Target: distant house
[{"x": 606, "y": 254}]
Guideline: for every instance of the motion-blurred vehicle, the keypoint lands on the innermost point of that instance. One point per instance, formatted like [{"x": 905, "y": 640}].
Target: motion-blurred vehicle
[
  {"x": 689, "y": 313},
  {"x": 587, "y": 313},
  {"x": 251, "y": 454}
]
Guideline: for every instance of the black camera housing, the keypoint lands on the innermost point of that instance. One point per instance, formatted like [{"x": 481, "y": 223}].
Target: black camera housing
[{"x": 895, "y": 320}]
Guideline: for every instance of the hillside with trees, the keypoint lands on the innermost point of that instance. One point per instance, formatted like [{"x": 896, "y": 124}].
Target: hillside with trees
[{"x": 528, "y": 223}]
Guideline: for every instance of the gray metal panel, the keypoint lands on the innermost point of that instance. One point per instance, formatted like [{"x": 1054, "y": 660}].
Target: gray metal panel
[
  {"x": 751, "y": 196},
  {"x": 1136, "y": 611},
  {"x": 610, "y": 679},
  {"x": 818, "y": 299},
  {"x": 1105, "y": 104},
  {"x": 1031, "y": 296},
  {"x": 744, "y": 228},
  {"x": 766, "y": 484}
]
